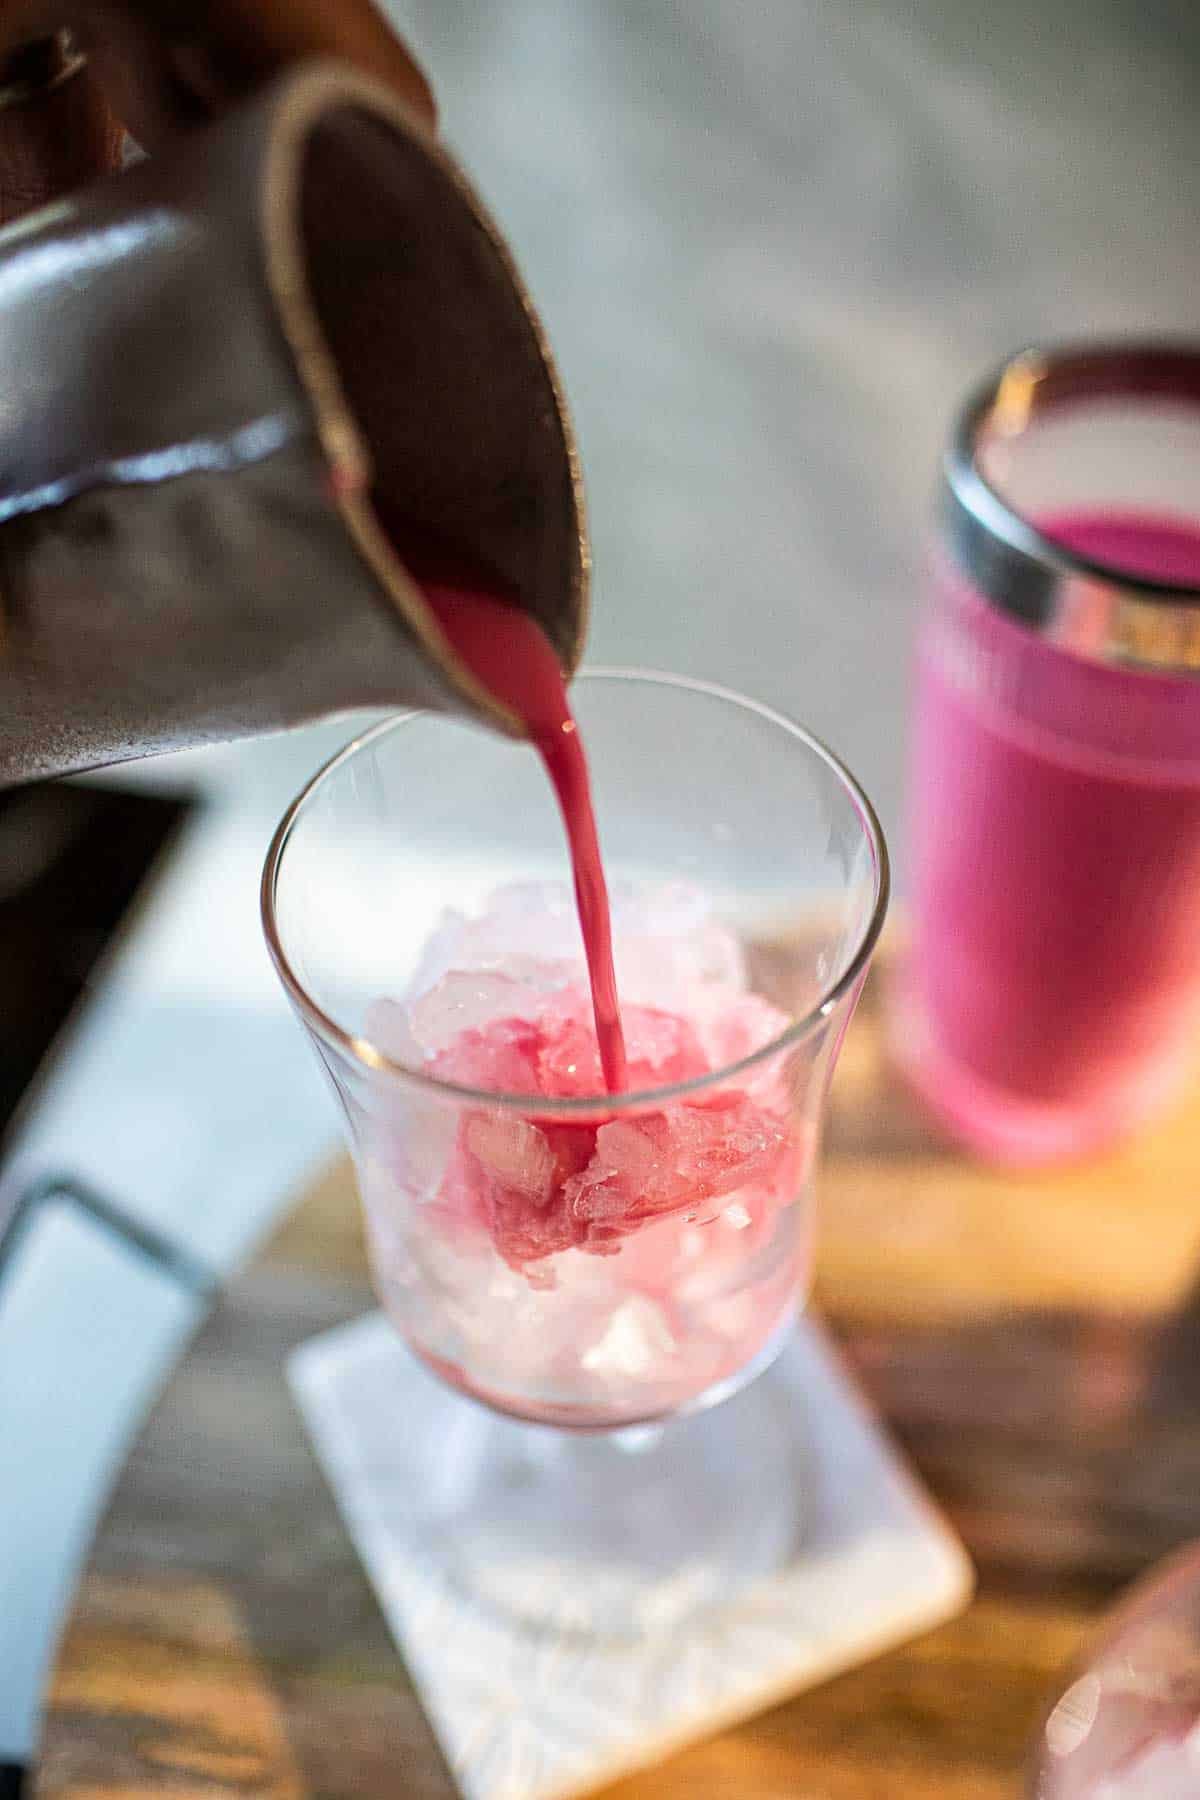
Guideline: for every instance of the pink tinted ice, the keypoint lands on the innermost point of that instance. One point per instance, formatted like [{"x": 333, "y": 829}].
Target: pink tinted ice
[{"x": 652, "y": 1250}]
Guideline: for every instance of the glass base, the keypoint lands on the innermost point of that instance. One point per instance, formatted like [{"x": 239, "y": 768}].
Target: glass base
[
  {"x": 617, "y": 1535},
  {"x": 1010, "y": 1128}
]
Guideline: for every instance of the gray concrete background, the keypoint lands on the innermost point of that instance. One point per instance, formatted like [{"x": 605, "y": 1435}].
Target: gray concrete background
[{"x": 772, "y": 241}]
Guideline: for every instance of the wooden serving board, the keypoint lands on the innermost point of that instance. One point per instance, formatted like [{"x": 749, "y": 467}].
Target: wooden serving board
[{"x": 1032, "y": 1341}]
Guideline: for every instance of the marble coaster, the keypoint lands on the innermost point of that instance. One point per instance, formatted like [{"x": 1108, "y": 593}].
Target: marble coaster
[{"x": 537, "y": 1716}]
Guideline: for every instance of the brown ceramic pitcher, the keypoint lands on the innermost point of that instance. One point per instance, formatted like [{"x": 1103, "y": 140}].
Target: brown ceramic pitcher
[{"x": 209, "y": 363}]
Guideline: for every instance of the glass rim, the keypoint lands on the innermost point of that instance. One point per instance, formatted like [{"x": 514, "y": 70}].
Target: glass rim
[
  {"x": 362, "y": 1051},
  {"x": 1084, "y": 604}
]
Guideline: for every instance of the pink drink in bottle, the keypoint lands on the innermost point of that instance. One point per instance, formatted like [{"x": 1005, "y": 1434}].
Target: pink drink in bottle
[{"x": 1051, "y": 996}]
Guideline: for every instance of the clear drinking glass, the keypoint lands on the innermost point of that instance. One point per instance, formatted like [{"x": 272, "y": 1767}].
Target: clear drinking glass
[
  {"x": 638, "y": 1503},
  {"x": 1049, "y": 1001},
  {"x": 1127, "y": 1726}
]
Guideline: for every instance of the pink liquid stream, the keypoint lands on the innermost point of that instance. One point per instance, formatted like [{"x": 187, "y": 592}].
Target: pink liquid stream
[{"x": 510, "y": 656}]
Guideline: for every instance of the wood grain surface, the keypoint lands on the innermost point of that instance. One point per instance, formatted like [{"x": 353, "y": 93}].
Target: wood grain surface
[{"x": 1033, "y": 1342}]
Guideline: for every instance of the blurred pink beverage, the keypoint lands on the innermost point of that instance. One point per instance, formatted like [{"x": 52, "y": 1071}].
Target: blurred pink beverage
[{"x": 1051, "y": 996}]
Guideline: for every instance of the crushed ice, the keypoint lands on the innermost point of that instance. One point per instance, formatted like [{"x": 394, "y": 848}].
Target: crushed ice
[{"x": 499, "y": 1004}]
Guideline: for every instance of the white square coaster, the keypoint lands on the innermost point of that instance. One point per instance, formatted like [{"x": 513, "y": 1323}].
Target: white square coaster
[{"x": 525, "y": 1716}]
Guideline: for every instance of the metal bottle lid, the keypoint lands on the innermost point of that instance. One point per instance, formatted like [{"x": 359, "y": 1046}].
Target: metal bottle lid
[{"x": 1088, "y": 607}]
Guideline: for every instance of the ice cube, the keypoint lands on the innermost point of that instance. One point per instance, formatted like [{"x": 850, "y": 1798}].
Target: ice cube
[
  {"x": 662, "y": 909},
  {"x": 568, "y": 1057},
  {"x": 508, "y": 1175},
  {"x": 670, "y": 951},
  {"x": 661, "y": 1048},
  {"x": 522, "y": 1233},
  {"x": 499, "y": 1060},
  {"x": 667, "y": 944},
  {"x": 638, "y": 1338},
  {"x": 387, "y": 1027},
  {"x": 678, "y": 974},
  {"x": 412, "y": 1137},
  {"x": 514, "y": 1153},
  {"x": 680, "y": 1159},
  {"x": 528, "y": 931},
  {"x": 534, "y": 919},
  {"x": 438, "y": 954},
  {"x": 465, "y": 1000}
]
